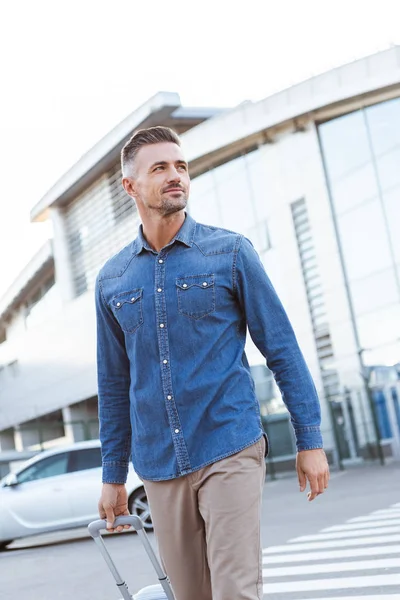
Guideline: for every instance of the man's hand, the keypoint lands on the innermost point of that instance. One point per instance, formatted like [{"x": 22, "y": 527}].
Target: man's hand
[
  {"x": 113, "y": 503},
  {"x": 312, "y": 465}
]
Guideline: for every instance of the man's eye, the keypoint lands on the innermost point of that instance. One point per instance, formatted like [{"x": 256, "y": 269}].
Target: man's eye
[
  {"x": 159, "y": 168},
  {"x": 183, "y": 167}
]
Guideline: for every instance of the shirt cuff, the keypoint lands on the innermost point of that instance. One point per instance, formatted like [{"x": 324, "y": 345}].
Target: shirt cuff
[
  {"x": 308, "y": 438},
  {"x": 115, "y": 472}
]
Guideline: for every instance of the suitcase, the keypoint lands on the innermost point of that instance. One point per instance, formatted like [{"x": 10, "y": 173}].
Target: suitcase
[{"x": 162, "y": 591}]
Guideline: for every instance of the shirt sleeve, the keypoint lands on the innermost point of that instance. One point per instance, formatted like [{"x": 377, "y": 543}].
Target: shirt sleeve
[
  {"x": 113, "y": 378},
  {"x": 272, "y": 333}
]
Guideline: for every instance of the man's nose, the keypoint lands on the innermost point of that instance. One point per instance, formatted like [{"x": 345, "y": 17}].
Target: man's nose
[{"x": 174, "y": 175}]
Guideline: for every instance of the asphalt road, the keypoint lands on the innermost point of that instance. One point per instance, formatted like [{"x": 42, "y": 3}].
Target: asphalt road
[{"x": 67, "y": 565}]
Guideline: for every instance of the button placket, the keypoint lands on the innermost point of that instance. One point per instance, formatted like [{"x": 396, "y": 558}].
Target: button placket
[{"x": 162, "y": 329}]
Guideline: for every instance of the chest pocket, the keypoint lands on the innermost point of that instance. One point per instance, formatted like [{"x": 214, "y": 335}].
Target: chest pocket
[
  {"x": 196, "y": 295},
  {"x": 127, "y": 309}
]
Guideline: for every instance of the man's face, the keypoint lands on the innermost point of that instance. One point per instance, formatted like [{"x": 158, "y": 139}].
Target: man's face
[{"x": 160, "y": 180}]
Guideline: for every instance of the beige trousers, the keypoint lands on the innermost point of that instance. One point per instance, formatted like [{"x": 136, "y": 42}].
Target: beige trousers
[{"x": 207, "y": 525}]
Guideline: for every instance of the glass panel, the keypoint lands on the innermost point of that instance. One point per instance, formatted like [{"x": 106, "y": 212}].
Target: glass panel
[
  {"x": 384, "y": 125},
  {"x": 374, "y": 292},
  {"x": 47, "y": 467},
  {"x": 379, "y": 334},
  {"x": 364, "y": 240},
  {"x": 392, "y": 207},
  {"x": 388, "y": 167},
  {"x": 345, "y": 144},
  {"x": 87, "y": 458},
  {"x": 356, "y": 187}
]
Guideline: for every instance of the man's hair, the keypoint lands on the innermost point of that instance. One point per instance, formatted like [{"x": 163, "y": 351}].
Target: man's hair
[{"x": 144, "y": 137}]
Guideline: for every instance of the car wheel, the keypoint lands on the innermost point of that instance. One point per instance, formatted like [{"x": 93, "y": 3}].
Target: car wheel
[
  {"x": 3, "y": 545},
  {"x": 139, "y": 506}
]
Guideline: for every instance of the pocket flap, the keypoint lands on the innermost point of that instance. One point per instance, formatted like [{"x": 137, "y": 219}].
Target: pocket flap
[
  {"x": 126, "y": 298},
  {"x": 202, "y": 281}
]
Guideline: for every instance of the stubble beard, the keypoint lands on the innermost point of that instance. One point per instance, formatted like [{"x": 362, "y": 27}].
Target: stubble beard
[{"x": 170, "y": 206}]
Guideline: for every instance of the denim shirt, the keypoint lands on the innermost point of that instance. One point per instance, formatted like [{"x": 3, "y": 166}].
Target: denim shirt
[{"x": 174, "y": 384}]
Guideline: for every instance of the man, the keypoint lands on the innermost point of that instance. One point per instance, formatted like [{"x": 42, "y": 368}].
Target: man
[{"x": 175, "y": 391}]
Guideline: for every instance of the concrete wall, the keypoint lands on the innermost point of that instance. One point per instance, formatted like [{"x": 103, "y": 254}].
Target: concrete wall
[{"x": 56, "y": 364}]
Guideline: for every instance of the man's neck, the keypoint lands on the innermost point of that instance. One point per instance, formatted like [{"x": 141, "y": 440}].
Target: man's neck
[{"x": 160, "y": 232}]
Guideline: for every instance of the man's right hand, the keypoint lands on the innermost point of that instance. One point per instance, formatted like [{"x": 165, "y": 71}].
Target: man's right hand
[{"x": 113, "y": 503}]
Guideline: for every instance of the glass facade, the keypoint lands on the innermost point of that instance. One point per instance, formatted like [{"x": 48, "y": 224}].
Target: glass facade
[
  {"x": 235, "y": 196},
  {"x": 361, "y": 153}
]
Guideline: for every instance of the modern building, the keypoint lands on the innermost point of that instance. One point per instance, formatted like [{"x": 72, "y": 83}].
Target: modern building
[{"x": 311, "y": 175}]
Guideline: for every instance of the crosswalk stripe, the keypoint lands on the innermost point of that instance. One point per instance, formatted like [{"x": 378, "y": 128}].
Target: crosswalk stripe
[
  {"x": 330, "y": 554},
  {"x": 348, "y": 526},
  {"x": 344, "y": 534},
  {"x": 397, "y": 505},
  {"x": 374, "y": 597},
  {"x": 340, "y": 567},
  {"x": 361, "y": 541},
  {"x": 332, "y": 584},
  {"x": 376, "y": 516}
]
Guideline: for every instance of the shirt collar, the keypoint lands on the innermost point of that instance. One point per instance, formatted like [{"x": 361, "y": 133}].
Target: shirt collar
[{"x": 184, "y": 235}]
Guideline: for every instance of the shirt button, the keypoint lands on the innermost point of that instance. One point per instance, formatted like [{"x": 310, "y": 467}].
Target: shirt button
[
  {"x": 185, "y": 285},
  {"x": 169, "y": 397},
  {"x": 161, "y": 325},
  {"x": 176, "y": 430},
  {"x": 161, "y": 261},
  {"x": 165, "y": 361},
  {"x": 118, "y": 303},
  {"x": 205, "y": 284},
  {"x": 159, "y": 290}
]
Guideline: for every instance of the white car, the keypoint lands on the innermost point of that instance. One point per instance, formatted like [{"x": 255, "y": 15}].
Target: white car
[{"x": 60, "y": 489}]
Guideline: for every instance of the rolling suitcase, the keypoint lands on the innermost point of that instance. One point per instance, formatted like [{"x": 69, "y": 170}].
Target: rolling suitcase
[{"x": 162, "y": 591}]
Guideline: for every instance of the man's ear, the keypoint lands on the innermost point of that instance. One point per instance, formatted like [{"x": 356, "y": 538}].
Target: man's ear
[{"x": 129, "y": 186}]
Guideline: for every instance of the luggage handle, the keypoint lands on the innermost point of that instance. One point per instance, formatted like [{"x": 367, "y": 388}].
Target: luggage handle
[
  {"x": 134, "y": 521},
  {"x": 96, "y": 526}
]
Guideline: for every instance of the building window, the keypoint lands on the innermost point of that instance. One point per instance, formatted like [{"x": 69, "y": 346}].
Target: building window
[
  {"x": 98, "y": 223},
  {"x": 361, "y": 153},
  {"x": 123, "y": 205}
]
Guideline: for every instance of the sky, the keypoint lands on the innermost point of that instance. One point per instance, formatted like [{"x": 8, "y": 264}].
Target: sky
[{"x": 70, "y": 71}]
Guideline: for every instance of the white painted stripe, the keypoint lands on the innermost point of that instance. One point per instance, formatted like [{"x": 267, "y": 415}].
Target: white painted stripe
[
  {"x": 347, "y": 526},
  {"x": 361, "y": 541},
  {"x": 385, "y": 510},
  {"x": 375, "y": 517},
  {"x": 344, "y": 534},
  {"x": 339, "y": 567},
  {"x": 330, "y": 554},
  {"x": 332, "y": 584},
  {"x": 396, "y": 505},
  {"x": 374, "y": 597}
]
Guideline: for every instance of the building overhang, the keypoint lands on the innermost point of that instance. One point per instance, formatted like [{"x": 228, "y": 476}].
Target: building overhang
[
  {"x": 30, "y": 277},
  {"x": 211, "y": 136},
  {"x": 162, "y": 109},
  {"x": 355, "y": 85}
]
